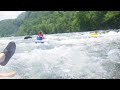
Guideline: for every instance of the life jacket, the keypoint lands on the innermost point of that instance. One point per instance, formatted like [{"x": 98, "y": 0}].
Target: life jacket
[{"x": 40, "y": 37}]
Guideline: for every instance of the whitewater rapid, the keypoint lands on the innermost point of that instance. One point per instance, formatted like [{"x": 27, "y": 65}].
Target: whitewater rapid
[{"x": 65, "y": 56}]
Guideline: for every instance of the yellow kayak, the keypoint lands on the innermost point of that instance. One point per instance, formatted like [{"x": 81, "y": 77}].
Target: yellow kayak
[{"x": 93, "y": 34}]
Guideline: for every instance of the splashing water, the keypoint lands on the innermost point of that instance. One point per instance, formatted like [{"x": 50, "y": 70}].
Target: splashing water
[{"x": 65, "y": 56}]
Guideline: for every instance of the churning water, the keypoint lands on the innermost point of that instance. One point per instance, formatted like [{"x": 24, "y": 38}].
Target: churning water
[{"x": 65, "y": 56}]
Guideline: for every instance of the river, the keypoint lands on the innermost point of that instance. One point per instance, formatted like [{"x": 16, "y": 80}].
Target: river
[{"x": 65, "y": 56}]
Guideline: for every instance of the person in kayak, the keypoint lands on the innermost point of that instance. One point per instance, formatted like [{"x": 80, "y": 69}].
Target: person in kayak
[
  {"x": 94, "y": 34},
  {"x": 40, "y": 36}
]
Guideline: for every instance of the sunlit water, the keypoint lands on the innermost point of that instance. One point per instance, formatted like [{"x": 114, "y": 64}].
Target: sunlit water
[{"x": 65, "y": 56}]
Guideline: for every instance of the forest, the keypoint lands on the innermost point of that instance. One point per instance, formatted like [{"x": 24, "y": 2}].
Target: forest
[{"x": 51, "y": 22}]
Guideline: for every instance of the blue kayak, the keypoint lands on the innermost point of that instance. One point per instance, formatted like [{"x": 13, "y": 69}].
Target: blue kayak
[{"x": 39, "y": 41}]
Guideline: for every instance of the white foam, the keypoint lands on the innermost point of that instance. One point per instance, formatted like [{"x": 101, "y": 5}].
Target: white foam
[{"x": 63, "y": 56}]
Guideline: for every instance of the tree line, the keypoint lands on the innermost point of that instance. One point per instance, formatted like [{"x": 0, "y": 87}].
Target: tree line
[{"x": 32, "y": 22}]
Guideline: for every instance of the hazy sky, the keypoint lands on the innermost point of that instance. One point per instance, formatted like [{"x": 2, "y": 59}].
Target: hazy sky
[{"x": 9, "y": 14}]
